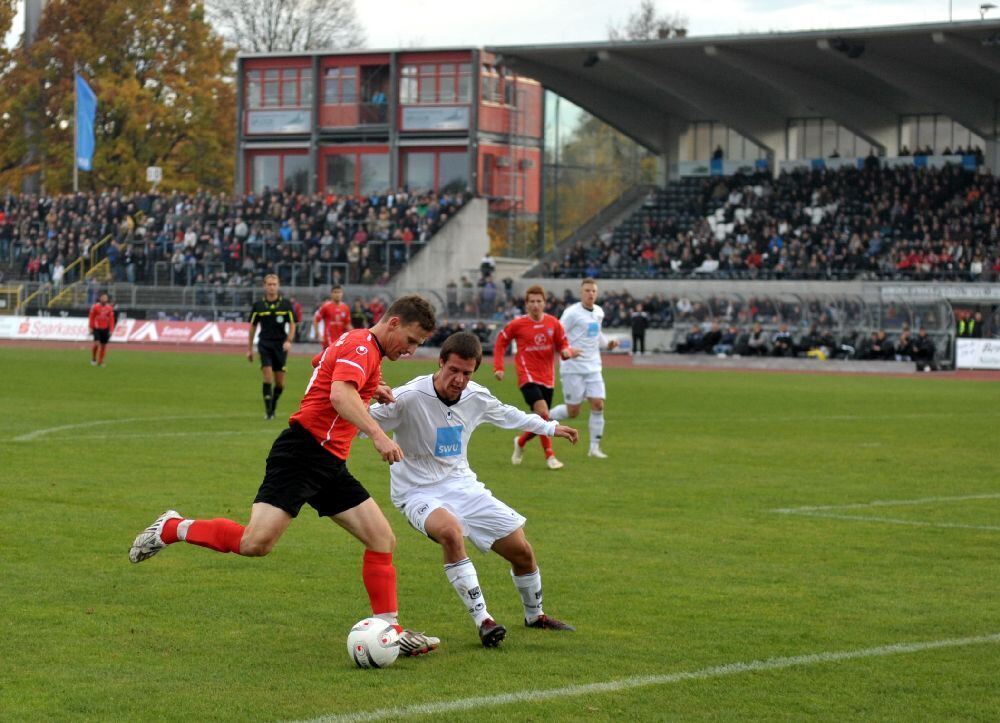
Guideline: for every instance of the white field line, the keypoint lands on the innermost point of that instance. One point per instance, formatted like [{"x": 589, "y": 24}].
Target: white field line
[
  {"x": 612, "y": 686},
  {"x": 884, "y": 503},
  {"x": 32, "y": 436},
  {"x": 158, "y": 435},
  {"x": 897, "y": 521}
]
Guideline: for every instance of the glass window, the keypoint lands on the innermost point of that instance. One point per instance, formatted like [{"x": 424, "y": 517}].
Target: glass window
[
  {"x": 830, "y": 138},
  {"x": 464, "y": 83},
  {"x": 428, "y": 84},
  {"x": 942, "y": 135},
  {"x": 331, "y": 86},
  {"x": 264, "y": 173},
  {"x": 453, "y": 172},
  {"x": 408, "y": 84},
  {"x": 374, "y": 173},
  {"x": 306, "y": 87},
  {"x": 925, "y": 131},
  {"x": 419, "y": 172},
  {"x": 349, "y": 85},
  {"x": 289, "y": 92},
  {"x": 296, "y": 173},
  {"x": 340, "y": 174},
  {"x": 253, "y": 89},
  {"x": 270, "y": 89},
  {"x": 446, "y": 83}
]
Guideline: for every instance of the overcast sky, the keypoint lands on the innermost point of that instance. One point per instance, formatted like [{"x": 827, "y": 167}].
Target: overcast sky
[
  {"x": 430, "y": 23},
  {"x": 392, "y": 23}
]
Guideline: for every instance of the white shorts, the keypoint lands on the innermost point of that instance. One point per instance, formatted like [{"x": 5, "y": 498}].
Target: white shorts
[
  {"x": 484, "y": 518},
  {"x": 577, "y": 387}
]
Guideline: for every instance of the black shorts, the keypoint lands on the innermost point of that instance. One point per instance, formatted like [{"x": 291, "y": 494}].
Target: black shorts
[
  {"x": 102, "y": 336},
  {"x": 272, "y": 354},
  {"x": 299, "y": 470},
  {"x": 533, "y": 392}
]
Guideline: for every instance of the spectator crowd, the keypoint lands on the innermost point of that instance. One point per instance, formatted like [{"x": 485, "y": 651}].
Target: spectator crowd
[
  {"x": 216, "y": 239},
  {"x": 869, "y": 223}
]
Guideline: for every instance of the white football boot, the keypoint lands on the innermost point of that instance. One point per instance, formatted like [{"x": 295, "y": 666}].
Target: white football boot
[
  {"x": 553, "y": 463},
  {"x": 149, "y": 541},
  {"x": 518, "y": 454},
  {"x": 595, "y": 451}
]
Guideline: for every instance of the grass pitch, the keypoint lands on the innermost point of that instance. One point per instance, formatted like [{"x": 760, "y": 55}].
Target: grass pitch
[{"x": 732, "y": 523}]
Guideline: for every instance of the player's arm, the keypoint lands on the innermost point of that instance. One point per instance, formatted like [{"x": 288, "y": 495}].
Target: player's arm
[
  {"x": 91, "y": 316},
  {"x": 291, "y": 329},
  {"x": 506, "y": 416},
  {"x": 388, "y": 416},
  {"x": 345, "y": 399},
  {"x": 562, "y": 343},
  {"x": 499, "y": 350},
  {"x": 252, "y": 334}
]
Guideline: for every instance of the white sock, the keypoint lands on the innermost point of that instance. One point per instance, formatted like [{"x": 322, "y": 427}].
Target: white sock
[
  {"x": 559, "y": 412},
  {"x": 462, "y": 576},
  {"x": 530, "y": 588},
  {"x": 182, "y": 529},
  {"x": 391, "y": 618},
  {"x": 596, "y": 426}
]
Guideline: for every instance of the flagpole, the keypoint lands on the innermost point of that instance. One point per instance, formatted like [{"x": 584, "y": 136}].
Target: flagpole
[{"x": 76, "y": 132}]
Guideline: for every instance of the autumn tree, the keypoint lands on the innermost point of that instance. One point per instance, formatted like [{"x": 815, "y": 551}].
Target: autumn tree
[
  {"x": 267, "y": 26},
  {"x": 165, "y": 97}
]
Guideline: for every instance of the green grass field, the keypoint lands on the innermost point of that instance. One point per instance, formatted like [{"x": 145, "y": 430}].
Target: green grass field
[{"x": 669, "y": 556}]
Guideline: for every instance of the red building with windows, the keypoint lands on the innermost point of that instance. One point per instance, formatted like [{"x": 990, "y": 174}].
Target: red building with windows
[{"x": 365, "y": 122}]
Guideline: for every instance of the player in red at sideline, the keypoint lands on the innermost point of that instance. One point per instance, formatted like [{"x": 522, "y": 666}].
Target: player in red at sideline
[
  {"x": 335, "y": 315},
  {"x": 308, "y": 463},
  {"x": 101, "y": 321},
  {"x": 538, "y": 337}
]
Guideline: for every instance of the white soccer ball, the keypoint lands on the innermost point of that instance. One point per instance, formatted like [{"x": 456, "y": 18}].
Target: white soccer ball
[{"x": 373, "y": 643}]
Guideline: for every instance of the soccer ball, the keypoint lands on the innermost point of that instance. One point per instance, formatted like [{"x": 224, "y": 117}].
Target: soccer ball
[{"x": 373, "y": 643}]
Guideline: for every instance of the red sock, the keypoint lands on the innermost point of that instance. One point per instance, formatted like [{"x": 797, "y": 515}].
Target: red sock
[
  {"x": 219, "y": 534},
  {"x": 380, "y": 581},
  {"x": 525, "y": 438},
  {"x": 93, "y": 353},
  {"x": 547, "y": 447},
  {"x": 100, "y": 355},
  {"x": 169, "y": 534}
]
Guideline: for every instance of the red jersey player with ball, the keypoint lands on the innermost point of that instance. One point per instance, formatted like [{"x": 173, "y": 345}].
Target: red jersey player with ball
[
  {"x": 539, "y": 336},
  {"x": 308, "y": 464}
]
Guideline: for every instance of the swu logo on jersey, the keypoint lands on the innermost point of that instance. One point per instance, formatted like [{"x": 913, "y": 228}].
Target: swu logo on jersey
[
  {"x": 449, "y": 442},
  {"x": 593, "y": 328}
]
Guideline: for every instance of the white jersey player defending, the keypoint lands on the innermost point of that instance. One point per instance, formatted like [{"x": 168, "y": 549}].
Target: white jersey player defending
[
  {"x": 432, "y": 420},
  {"x": 581, "y": 376}
]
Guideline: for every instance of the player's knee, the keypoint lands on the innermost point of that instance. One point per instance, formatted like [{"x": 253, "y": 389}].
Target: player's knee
[
  {"x": 450, "y": 537},
  {"x": 597, "y": 405},
  {"x": 573, "y": 410},
  {"x": 523, "y": 557},
  {"x": 255, "y": 547}
]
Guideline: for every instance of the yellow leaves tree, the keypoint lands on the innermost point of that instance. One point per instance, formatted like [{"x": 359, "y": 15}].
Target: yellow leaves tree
[{"x": 165, "y": 97}]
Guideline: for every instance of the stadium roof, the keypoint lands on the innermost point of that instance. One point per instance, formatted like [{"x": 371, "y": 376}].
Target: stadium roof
[{"x": 862, "y": 78}]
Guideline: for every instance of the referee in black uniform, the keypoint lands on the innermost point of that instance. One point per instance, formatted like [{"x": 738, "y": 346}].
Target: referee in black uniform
[{"x": 276, "y": 318}]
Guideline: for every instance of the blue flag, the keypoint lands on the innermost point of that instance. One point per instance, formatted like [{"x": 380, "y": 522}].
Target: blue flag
[{"x": 86, "y": 110}]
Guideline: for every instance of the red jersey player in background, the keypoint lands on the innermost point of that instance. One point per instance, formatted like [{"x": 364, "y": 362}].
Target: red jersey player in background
[
  {"x": 101, "y": 321},
  {"x": 335, "y": 316},
  {"x": 308, "y": 463},
  {"x": 538, "y": 337}
]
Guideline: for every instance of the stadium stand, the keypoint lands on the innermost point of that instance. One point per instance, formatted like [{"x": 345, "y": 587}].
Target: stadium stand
[
  {"x": 871, "y": 223},
  {"x": 190, "y": 239}
]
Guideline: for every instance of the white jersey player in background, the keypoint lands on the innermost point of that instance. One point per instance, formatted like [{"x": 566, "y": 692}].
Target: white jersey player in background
[
  {"x": 581, "y": 376},
  {"x": 432, "y": 420}
]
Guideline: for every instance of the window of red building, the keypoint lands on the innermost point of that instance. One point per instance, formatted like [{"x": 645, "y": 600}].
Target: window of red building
[
  {"x": 275, "y": 170},
  {"x": 444, "y": 171},
  {"x": 279, "y": 88},
  {"x": 433, "y": 83},
  {"x": 356, "y": 171},
  {"x": 340, "y": 85}
]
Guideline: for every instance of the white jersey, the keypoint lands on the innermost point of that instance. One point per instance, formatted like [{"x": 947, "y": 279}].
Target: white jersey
[
  {"x": 435, "y": 436},
  {"x": 583, "y": 330}
]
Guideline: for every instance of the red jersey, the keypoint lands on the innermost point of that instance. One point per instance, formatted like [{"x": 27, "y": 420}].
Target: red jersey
[
  {"x": 354, "y": 358},
  {"x": 102, "y": 316},
  {"x": 537, "y": 344},
  {"x": 336, "y": 320}
]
